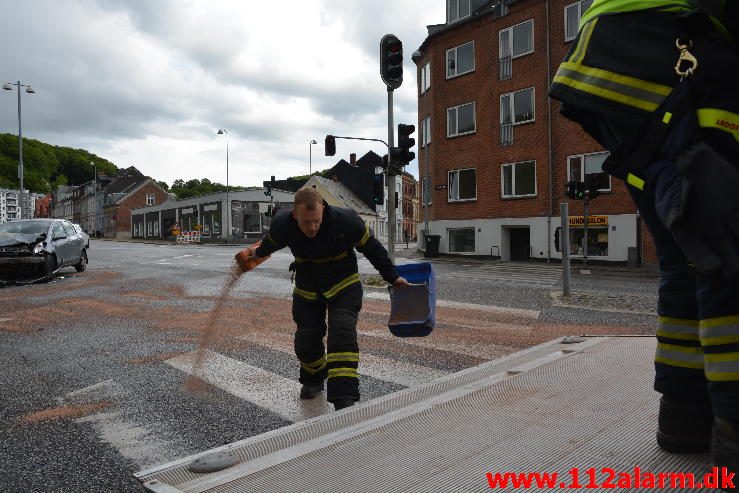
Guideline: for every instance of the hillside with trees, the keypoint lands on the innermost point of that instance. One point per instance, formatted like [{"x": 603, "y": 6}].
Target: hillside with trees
[{"x": 46, "y": 166}]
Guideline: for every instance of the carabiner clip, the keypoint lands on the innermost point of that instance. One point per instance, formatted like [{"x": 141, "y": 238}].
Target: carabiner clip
[{"x": 686, "y": 62}]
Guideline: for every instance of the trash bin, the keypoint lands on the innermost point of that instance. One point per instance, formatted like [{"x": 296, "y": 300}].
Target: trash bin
[{"x": 432, "y": 246}]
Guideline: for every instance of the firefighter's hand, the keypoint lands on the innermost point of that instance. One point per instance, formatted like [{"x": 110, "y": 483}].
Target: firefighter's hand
[
  {"x": 245, "y": 258},
  {"x": 400, "y": 282}
]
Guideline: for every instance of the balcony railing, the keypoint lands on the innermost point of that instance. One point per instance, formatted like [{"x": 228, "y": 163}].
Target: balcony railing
[
  {"x": 506, "y": 134},
  {"x": 506, "y": 68}
]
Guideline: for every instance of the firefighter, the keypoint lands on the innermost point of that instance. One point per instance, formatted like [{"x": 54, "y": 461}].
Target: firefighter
[
  {"x": 655, "y": 82},
  {"x": 322, "y": 239}
]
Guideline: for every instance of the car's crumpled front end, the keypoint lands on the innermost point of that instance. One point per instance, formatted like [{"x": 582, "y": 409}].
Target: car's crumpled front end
[{"x": 23, "y": 257}]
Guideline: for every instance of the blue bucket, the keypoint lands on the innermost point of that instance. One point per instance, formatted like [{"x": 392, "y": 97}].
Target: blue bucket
[{"x": 413, "y": 308}]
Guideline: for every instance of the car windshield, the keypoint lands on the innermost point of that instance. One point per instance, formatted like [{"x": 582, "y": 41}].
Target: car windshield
[{"x": 25, "y": 227}]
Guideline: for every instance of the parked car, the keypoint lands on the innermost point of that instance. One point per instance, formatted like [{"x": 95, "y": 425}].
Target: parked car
[
  {"x": 83, "y": 234},
  {"x": 35, "y": 249}
]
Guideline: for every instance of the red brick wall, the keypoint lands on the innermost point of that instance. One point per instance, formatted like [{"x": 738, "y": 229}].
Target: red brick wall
[
  {"x": 135, "y": 201},
  {"x": 482, "y": 150}
]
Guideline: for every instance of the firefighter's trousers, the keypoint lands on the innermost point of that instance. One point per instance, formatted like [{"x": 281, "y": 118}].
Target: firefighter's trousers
[
  {"x": 697, "y": 355},
  {"x": 338, "y": 360}
]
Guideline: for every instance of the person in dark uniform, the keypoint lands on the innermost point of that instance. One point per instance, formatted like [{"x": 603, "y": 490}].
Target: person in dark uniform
[{"x": 322, "y": 239}]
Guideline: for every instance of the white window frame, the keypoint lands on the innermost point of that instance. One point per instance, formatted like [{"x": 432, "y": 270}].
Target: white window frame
[
  {"x": 509, "y": 32},
  {"x": 456, "y": 61},
  {"x": 582, "y": 168},
  {"x": 513, "y": 180},
  {"x": 474, "y": 119},
  {"x": 457, "y": 17},
  {"x": 449, "y": 185},
  {"x": 512, "y": 107},
  {"x": 424, "y": 78},
  {"x": 426, "y": 131},
  {"x": 150, "y": 199},
  {"x": 578, "y": 5}
]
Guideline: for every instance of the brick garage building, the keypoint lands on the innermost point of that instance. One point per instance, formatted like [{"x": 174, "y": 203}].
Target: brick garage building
[
  {"x": 129, "y": 189},
  {"x": 499, "y": 152}
]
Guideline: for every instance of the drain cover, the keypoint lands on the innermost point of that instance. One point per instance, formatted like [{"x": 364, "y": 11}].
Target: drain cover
[{"x": 214, "y": 462}]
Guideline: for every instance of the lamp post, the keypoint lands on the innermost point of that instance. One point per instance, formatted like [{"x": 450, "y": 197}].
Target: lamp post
[
  {"x": 310, "y": 156},
  {"x": 417, "y": 55},
  {"x": 228, "y": 203},
  {"x": 95, "y": 201},
  {"x": 9, "y": 87}
]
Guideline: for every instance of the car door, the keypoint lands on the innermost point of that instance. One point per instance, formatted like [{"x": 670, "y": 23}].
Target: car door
[
  {"x": 74, "y": 242},
  {"x": 61, "y": 246}
]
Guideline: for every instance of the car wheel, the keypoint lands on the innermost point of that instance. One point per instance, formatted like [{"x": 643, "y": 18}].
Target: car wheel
[{"x": 82, "y": 264}]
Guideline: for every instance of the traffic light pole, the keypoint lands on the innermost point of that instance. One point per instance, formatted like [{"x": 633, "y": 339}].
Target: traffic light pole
[
  {"x": 564, "y": 246},
  {"x": 586, "y": 215},
  {"x": 391, "y": 182}
]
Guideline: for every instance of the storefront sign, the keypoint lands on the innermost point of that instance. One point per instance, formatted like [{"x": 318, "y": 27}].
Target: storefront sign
[{"x": 592, "y": 221}]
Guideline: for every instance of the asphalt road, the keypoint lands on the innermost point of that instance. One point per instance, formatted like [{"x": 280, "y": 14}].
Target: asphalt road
[{"x": 96, "y": 366}]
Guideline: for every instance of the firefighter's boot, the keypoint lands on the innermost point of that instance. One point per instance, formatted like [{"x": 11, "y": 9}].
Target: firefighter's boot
[
  {"x": 684, "y": 427},
  {"x": 725, "y": 446},
  {"x": 310, "y": 391}
]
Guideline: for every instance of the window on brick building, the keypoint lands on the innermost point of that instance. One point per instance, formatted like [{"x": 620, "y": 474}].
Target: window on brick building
[
  {"x": 518, "y": 179},
  {"x": 460, "y": 60},
  {"x": 423, "y": 191},
  {"x": 149, "y": 199},
  {"x": 460, "y": 120},
  {"x": 424, "y": 78},
  {"x": 517, "y": 40},
  {"x": 517, "y": 107},
  {"x": 425, "y": 131},
  {"x": 457, "y": 10},
  {"x": 573, "y": 12},
  {"x": 461, "y": 240},
  {"x": 462, "y": 185},
  {"x": 586, "y": 164}
]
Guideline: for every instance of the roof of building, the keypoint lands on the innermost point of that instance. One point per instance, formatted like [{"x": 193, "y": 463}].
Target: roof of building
[{"x": 342, "y": 194}]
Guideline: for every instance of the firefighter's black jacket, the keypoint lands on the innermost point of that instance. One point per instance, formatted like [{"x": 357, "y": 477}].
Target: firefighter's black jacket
[{"x": 327, "y": 264}]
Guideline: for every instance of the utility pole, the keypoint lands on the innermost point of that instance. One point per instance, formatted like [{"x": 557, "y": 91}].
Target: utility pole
[
  {"x": 391, "y": 182},
  {"x": 564, "y": 246}
]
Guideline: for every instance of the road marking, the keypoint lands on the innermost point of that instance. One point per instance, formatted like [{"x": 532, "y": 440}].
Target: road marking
[
  {"x": 6, "y": 319},
  {"x": 389, "y": 370},
  {"x": 265, "y": 389},
  {"x": 380, "y": 295}
]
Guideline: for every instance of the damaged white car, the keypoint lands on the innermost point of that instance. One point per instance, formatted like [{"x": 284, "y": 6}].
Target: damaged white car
[{"x": 35, "y": 249}]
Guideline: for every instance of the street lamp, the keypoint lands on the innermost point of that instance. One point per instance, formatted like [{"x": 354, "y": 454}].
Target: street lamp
[
  {"x": 9, "y": 87},
  {"x": 417, "y": 55},
  {"x": 310, "y": 156},
  {"x": 95, "y": 206},
  {"x": 228, "y": 204}
]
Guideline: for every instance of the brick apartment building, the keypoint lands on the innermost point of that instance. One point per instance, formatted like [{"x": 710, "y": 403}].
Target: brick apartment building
[{"x": 499, "y": 152}]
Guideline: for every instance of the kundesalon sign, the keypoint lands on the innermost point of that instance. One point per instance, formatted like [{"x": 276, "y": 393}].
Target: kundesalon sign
[{"x": 592, "y": 221}]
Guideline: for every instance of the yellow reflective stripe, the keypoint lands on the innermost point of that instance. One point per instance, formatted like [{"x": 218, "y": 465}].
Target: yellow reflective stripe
[
  {"x": 624, "y": 80},
  {"x": 365, "y": 237},
  {"x": 678, "y": 328},
  {"x": 269, "y": 238},
  {"x": 343, "y": 372},
  {"x": 720, "y": 330},
  {"x": 635, "y": 181},
  {"x": 354, "y": 278},
  {"x": 587, "y": 31},
  {"x": 323, "y": 260},
  {"x": 317, "y": 362},
  {"x": 606, "y": 93},
  {"x": 667, "y": 117},
  {"x": 312, "y": 370},
  {"x": 333, "y": 357},
  {"x": 723, "y": 367},
  {"x": 732, "y": 376},
  {"x": 308, "y": 295},
  {"x": 680, "y": 356},
  {"x": 719, "y": 119}
]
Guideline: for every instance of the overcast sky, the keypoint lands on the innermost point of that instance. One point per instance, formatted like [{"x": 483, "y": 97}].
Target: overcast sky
[{"x": 148, "y": 83}]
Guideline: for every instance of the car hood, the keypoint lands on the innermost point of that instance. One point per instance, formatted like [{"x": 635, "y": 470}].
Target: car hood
[{"x": 18, "y": 239}]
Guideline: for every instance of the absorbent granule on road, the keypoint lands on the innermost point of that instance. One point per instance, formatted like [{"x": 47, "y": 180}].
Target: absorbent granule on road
[
  {"x": 194, "y": 382},
  {"x": 62, "y": 412}
]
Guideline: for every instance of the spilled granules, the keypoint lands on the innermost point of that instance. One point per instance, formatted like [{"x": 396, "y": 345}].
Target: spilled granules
[
  {"x": 194, "y": 383},
  {"x": 64, "y": 412},
  {"x": 155, "y": 358}
]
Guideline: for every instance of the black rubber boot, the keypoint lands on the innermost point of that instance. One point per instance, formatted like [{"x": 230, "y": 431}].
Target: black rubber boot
[
  {"x": 725, "y": 448},
  {"x": 310, "y": 391},
  {"x": 343, "y": 403},
  {"x": 684, "y": 427}
]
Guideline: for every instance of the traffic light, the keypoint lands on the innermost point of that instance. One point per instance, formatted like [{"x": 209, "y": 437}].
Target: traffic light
[
  {"x": 385, "y": 162},
  {"x": 575, "y": 190},
  {"x": 378, "y": 189},
  {"x": 592, "y": 182},
  {"x": 268, "y": 191},
  {"x": 391, "y": 61},
  {"x": 406, "y": 142},
  {"x": 330, "y": 145},
  {"x": 268, "y": 185}
]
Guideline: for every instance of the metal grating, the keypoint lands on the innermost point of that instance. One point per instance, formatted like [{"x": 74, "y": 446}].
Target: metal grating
[{"x": 547, "y": 409}]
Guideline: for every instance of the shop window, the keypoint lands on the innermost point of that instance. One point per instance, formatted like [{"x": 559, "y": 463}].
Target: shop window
[
  {"x": 597, "y": 241},
  {"x": 461, "y": 240}
]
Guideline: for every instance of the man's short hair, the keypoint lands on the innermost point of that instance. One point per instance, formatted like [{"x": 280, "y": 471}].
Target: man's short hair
[{"x": 309, "y": 197}]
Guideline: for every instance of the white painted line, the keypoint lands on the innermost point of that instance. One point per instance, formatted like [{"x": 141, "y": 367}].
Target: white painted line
[
  {"x": 389, "y": 370},
  {"x": 6, "y": 319},
  {"x": 265, "y": 389},
  {"x": 382, "y": 295}
]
